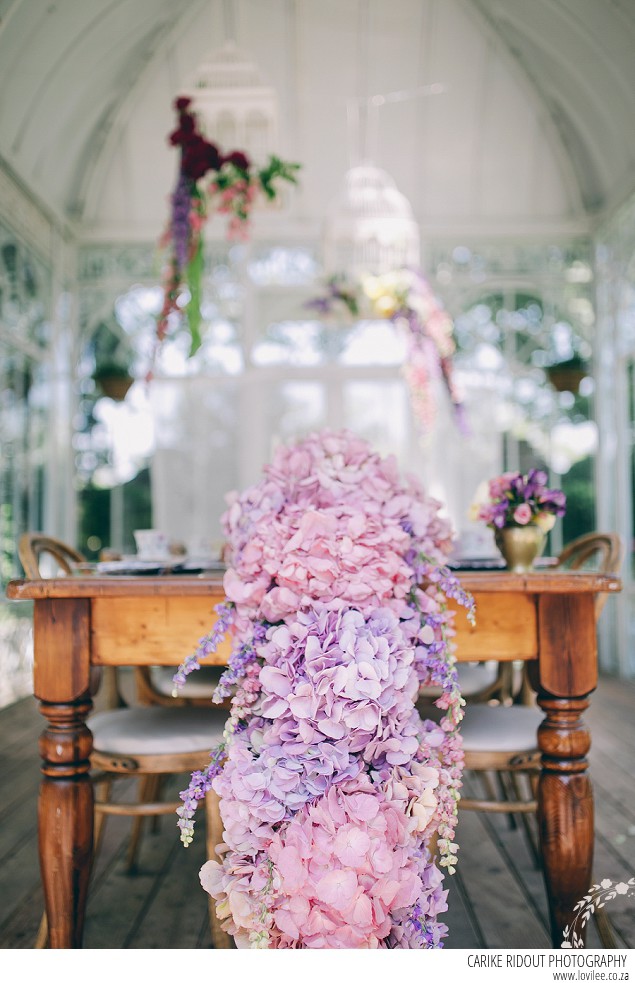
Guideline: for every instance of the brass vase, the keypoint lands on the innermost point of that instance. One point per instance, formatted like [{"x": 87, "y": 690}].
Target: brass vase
[{"x": 520, "y": 546}]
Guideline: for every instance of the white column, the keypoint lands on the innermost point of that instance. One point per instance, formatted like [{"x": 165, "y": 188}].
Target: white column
[{"x": 60, "y": 497}]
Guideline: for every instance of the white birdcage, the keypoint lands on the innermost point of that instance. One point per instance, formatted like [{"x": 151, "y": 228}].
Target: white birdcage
[
  {"x": 234, "y": 107},
  {"x": 370, "y": 226}
]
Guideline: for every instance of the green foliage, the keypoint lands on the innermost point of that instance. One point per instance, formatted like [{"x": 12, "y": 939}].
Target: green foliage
[
  {"x": 94, "y": 518},
  {"x": 111, "y": 370},
  {"x": 576, "y": 363},
  {"x": 578, "y": 486},
  {"x": 277, "y": 170},
  {"x": 94, "y": 513},
  {"x": 193, "y": 309}
]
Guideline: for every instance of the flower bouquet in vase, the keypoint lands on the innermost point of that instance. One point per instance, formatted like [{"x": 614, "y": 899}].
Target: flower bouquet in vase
[{"x": 521, "y": 510}]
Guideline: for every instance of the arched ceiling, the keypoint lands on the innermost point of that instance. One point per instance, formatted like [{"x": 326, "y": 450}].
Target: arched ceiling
[
  {"x": 579, "y": 57},
  {"x": 533, "y": 131}
]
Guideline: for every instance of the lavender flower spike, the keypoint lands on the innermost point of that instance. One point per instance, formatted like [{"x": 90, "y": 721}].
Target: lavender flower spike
[
  {"x": 200, "y": 785},
  {"x": 208, "y": 644}
]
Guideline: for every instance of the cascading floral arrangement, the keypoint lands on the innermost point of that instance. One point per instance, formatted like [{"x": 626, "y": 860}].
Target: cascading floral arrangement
[
  {"x": 406, "y": 298},
  {"x": 331, "y": 785},
  {"x": 233, "y": 187}
]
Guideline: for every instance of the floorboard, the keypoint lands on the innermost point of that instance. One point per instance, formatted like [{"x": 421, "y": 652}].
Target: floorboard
[{"x": 496, "y": 898}]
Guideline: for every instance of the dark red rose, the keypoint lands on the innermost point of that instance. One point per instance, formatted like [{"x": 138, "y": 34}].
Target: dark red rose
[
  {"x": 214, "y": 159},
  {"x": 182, "y": 103},
  {"x": 195, "y": 159},
  {"x": 193, "y": 167},
  {"x": 177, "y": 138},
  {"x": 238, "y": 159},
  {"x": 197, "y": 144}
]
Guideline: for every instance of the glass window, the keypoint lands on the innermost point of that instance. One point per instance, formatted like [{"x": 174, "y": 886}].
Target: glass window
[
  {"x": 269, "y": 369},
  {"x": 25, "y": 439},
  {"x": 514, "y": 362}
]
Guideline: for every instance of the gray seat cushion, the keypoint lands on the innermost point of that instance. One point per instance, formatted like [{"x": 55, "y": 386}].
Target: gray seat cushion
[
  {"x": 512, "y": 729},
  {"x": 157, "y": 730}
]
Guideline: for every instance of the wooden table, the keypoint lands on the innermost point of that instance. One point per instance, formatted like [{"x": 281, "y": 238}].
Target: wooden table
[{"x": 547, "y": 618}]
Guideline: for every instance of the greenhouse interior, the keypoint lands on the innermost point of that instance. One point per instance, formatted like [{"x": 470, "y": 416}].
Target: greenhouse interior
[{"x": 478, "y": 154}]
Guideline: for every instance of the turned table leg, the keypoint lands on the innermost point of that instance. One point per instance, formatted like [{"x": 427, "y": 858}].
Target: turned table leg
[
  {"x": 65, "y": 821},
  {"x": 565, "y": 675},
  {"x": 65, "y": 808},
  {"x": 565, "y": 809}
]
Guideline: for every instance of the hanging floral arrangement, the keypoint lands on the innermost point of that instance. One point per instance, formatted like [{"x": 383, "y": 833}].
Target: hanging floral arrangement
[
  {"x": 332, "y": 787},
  {"x": 208, "y": 181},
  {"x": 406, "y": 298}
]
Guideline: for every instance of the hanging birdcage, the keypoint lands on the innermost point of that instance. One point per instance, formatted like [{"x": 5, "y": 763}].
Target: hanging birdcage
[
  {"x": 370, "y": 226},
  {"x": 234, "y": 107}
]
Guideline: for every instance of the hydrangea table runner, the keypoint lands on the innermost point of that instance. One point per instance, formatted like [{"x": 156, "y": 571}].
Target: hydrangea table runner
[{"x": 333, "y": 789}]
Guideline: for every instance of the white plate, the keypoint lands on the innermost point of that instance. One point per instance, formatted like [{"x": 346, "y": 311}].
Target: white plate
[
  {"x": 137, "y": 566},
  {"x": 176, "y": 564}
]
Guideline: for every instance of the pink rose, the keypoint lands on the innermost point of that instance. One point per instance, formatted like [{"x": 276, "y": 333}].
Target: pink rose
[{"x": 522, "y": 514}]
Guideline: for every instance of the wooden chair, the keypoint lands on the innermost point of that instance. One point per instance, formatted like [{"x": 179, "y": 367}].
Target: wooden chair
[
  {"x": 32, "y": 546},
  {"x": 144, "y": 742},
  {"x": 600, "y": 551},
  {"x": 154, "y": 686},
  {"x": 499, "y": 742},
  {"x": 480, "y": 682}
]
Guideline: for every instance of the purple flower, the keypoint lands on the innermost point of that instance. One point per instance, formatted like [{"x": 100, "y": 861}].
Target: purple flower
[
  {"x": 181, "y": 203},
  {"x": 200, "y": 785},
  {"x": 517, "y": 499},
  {"x": 207, "y": 645}
]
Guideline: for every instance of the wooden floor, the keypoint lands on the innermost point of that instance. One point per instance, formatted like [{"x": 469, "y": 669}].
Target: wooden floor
[{"x": 496, "y": 897}]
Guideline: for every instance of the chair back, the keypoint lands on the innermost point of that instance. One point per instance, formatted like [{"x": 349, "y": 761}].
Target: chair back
[
  {"x": 601, "y": 552},
  {"x": 35, "y": 545}
]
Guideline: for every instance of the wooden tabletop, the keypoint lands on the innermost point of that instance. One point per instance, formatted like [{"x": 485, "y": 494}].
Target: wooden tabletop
[{"x": 536, "y": 582}]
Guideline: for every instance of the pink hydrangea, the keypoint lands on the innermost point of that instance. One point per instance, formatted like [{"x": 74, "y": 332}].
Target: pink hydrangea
[
  {"x": 345, "y": 874},
  {"x": 344, "y": 676},
  {"x": 332, "y": 555},
  {"x": 331, "y": 785},
  {"x": 344, "y": 864}
]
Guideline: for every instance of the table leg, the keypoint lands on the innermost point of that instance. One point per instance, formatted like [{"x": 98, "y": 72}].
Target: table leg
[
  {"x": 65, "y": 820},
  {"x": 565, "y": 809},
  {"x": 61, "y": 678},
  {"x": 565, "y": 674}
]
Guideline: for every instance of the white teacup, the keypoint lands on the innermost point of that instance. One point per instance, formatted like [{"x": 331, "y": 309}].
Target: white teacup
[{"x": 152, "y": 544}]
